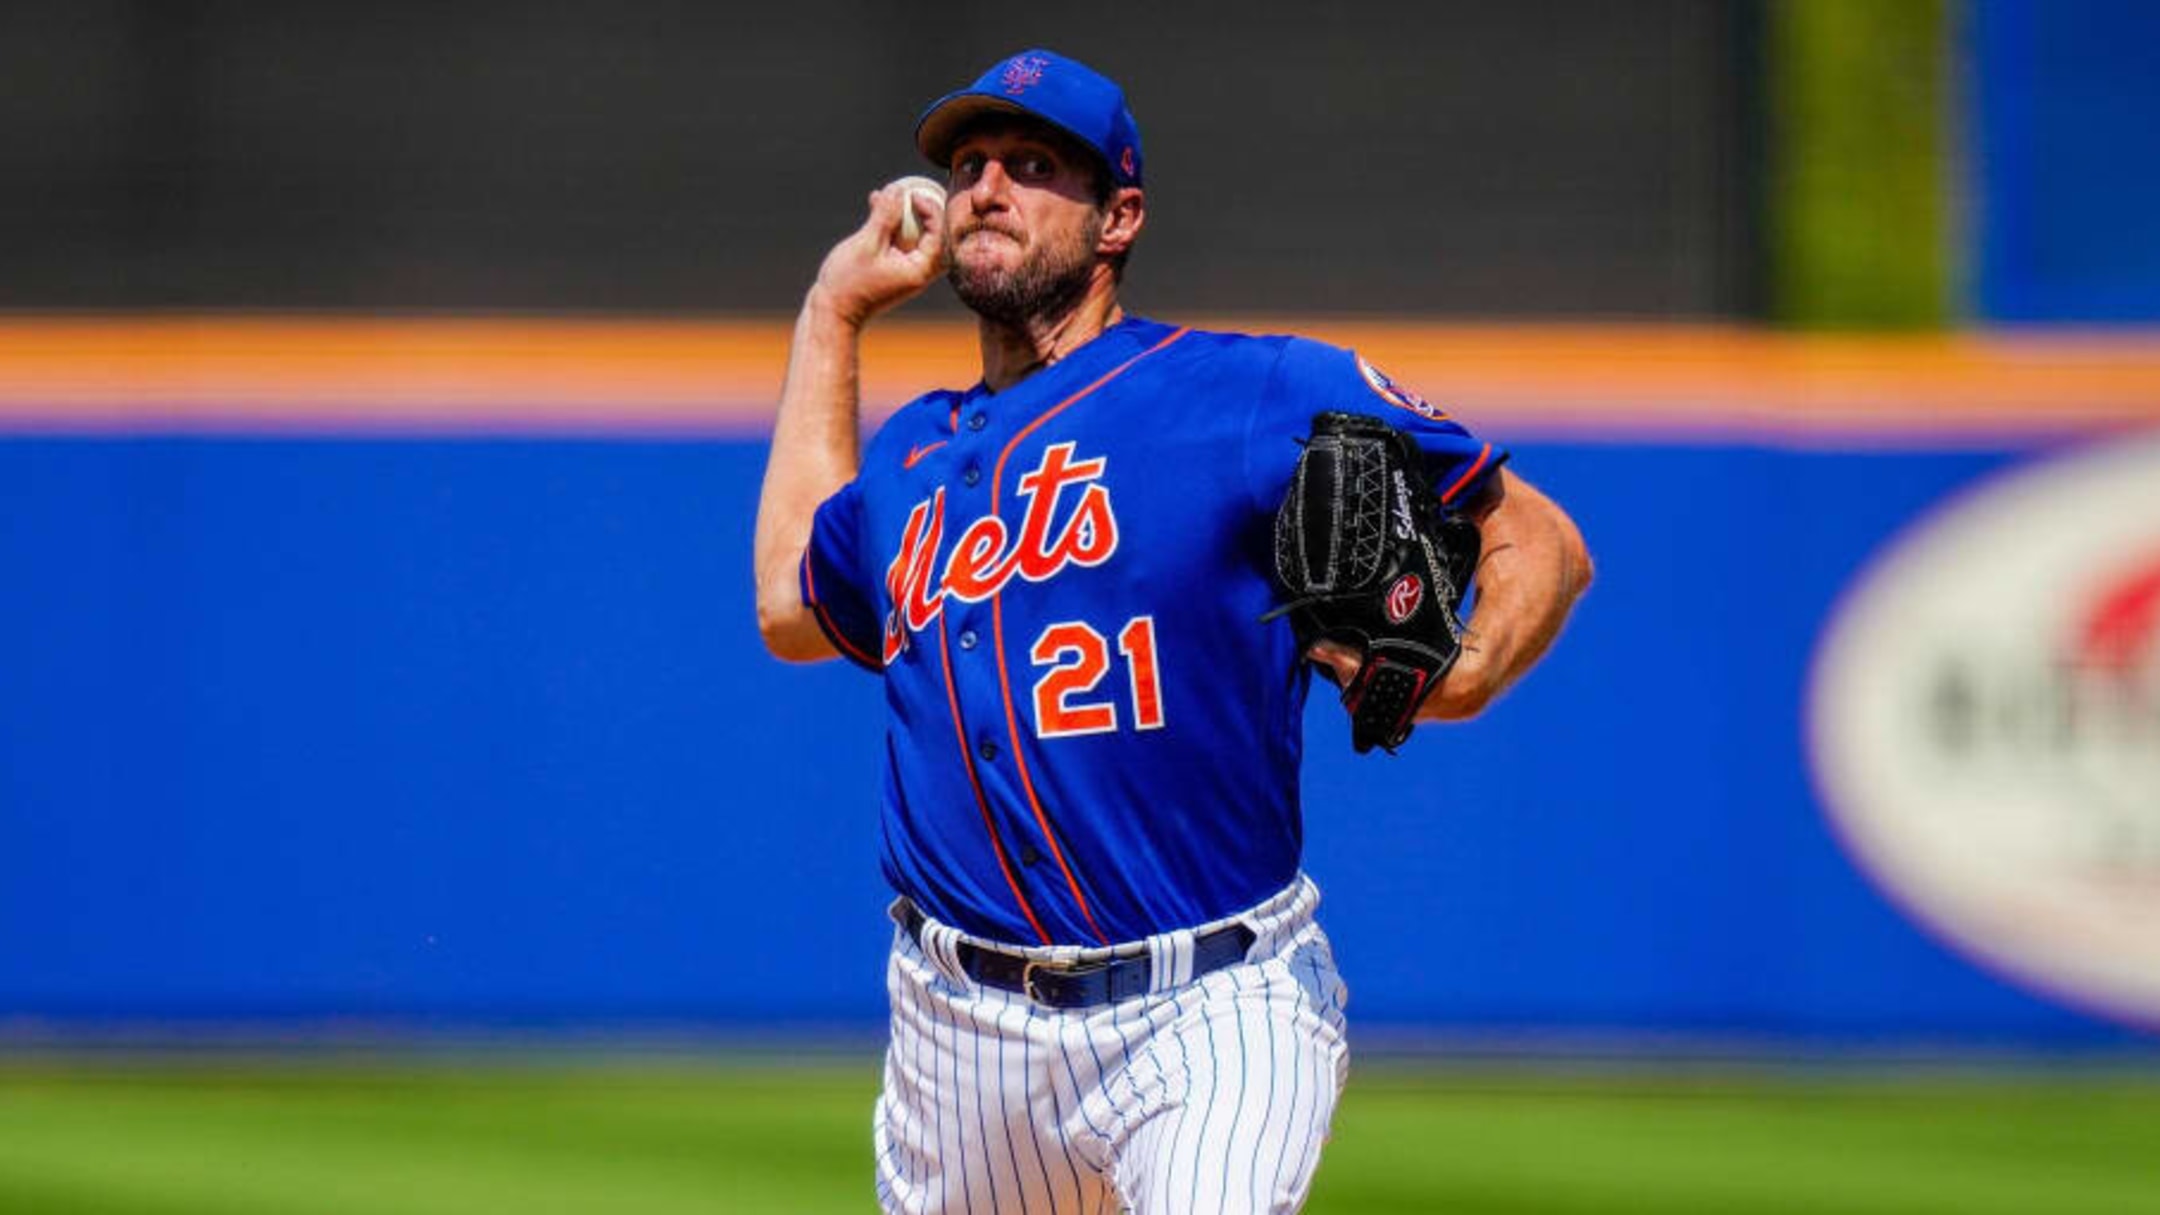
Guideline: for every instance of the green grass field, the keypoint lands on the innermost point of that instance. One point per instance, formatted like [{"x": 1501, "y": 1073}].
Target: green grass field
[{"x": 651, "y": 1137}]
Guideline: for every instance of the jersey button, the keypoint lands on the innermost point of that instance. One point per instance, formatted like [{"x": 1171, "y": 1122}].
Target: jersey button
[
  {"x": 988, "y": 750},
  {"x": 972, "y": 475},
  {"x": 1028, "y": 855},
  {"x": 967, "y": 639},
  {"x": 978, "y": 421}
]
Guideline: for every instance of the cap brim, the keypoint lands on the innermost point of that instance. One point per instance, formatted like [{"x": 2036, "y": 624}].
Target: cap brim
[{"x": 940, "y": 126}]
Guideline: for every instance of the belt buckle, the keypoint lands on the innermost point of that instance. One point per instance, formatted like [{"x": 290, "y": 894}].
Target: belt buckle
[
  {"x": 1027, "y": 980},
  {"x": 1067, "y": 969}
]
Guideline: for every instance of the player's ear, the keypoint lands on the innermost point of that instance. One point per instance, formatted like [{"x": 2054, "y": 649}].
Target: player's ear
[{"x": 1123, "y": 217}]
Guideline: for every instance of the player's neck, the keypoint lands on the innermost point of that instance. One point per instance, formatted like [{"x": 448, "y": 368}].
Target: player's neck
[{"x": 1012, "y": 352}]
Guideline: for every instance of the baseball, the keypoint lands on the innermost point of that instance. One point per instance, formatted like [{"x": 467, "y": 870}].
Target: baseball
[{"x": 910, "y": 222}]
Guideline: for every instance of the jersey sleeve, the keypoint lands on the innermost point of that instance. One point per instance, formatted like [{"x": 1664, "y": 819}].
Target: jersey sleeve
[
  {"x": 837, "y": 586},
  {"x": 1312, "y": 377}
]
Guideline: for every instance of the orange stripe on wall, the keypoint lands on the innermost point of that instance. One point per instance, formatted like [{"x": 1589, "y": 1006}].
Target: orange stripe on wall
[{"x": 606, "y": 376}]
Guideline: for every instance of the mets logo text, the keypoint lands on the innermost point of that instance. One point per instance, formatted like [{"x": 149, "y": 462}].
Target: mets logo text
[
  {"x": 1023, "y": 73},
  {"x": 987, "y": 555}
]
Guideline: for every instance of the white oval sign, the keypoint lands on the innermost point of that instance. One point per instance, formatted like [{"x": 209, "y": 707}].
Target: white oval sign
[{"x": 1984, "y": 719}]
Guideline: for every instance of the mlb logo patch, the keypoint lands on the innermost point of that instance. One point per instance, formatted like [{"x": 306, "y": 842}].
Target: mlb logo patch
[{"x": 1395, "y": 394}]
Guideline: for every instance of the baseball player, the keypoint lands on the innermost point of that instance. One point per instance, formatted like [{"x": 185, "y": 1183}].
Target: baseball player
[{"x": 1108, "y": 990}]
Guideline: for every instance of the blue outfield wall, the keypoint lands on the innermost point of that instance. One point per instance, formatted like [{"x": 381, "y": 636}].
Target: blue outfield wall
[{"x": 480, "y": 731}]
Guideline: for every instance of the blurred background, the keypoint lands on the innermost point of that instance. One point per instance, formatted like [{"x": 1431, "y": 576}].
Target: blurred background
[{"x": 398, "y": 811}]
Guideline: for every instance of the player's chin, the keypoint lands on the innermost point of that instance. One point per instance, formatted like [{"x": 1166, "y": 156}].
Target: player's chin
[{"x": 982, "y": 277}]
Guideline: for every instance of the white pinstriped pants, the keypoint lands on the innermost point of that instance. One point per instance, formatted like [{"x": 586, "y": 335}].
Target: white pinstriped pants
[{"x": 1208, "y": 1097}]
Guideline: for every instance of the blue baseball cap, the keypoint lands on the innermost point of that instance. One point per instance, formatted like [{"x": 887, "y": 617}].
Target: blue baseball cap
[{"x": 1065, "y": 93}]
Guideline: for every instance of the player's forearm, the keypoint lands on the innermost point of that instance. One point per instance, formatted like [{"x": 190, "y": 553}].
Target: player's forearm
[
  {"x": 815, "y": 451},
  {"x": 1533, "y": 568}
]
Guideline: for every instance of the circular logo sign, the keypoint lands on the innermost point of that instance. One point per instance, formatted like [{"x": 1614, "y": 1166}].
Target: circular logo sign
[
  {"x": 1404, "y": 597},
  {"x": 1984, "y": 719}
]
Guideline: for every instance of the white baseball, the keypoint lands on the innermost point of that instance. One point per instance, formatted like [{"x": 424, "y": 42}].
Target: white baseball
[{"x": 910, "y": 222}]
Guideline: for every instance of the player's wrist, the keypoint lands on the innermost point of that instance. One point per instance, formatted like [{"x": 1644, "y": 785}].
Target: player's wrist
[
  {"x": 1464, "y": 692},
  {"x": 834, "y": 312}
]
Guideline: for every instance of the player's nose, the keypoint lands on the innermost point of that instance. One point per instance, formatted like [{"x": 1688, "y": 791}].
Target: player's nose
[{"x": 991, "y": 187}]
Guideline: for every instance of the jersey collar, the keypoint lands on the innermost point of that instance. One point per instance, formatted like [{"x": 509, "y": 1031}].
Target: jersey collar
[{"x": 1081, "y": 365}]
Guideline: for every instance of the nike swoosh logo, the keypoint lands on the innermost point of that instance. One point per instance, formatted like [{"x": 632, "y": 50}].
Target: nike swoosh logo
[{"x": 915, "y": 454}]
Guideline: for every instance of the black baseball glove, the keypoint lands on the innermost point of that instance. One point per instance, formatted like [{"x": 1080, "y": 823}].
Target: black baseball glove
[{"x": 1369, "y": 560}]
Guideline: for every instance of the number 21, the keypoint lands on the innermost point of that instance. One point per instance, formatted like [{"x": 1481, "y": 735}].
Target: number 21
[{"x": 1078, "y": 657}]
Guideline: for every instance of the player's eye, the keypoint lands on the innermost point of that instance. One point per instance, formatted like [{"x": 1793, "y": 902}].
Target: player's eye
[
  {"x": 966, "y": 169},
  {"x": 1033, "y": 166}
]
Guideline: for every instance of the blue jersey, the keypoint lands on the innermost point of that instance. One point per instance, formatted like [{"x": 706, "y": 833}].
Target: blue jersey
[{"x": 1091, "y": 738}]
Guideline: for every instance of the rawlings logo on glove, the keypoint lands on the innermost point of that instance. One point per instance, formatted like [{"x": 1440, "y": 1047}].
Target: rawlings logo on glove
[{"x": 1369, "y": 561}]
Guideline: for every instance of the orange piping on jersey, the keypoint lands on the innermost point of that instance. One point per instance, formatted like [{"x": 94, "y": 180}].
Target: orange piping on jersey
[
  {"x": 1448, "y": 495},
  {"x": 832, "y": 628},
  {"x": 997, "y": 626},
  {"x": 967, "y": 760}
]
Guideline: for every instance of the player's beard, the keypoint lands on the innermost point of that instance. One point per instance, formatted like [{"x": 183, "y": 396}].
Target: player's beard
[{"x": 1045, "y": 285}]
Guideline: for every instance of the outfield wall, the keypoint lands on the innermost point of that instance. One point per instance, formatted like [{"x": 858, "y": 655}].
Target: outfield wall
[{"x": 391, "y": 672}]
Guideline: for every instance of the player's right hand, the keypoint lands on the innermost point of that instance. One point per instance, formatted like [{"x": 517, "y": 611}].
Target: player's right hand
[{"x": 868, "y": 272}]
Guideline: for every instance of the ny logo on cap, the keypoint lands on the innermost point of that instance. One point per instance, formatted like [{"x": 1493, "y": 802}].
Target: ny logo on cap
[{"x": 1023, "y": 72}]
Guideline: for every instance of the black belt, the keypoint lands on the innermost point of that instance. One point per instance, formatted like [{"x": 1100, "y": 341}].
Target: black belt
[{"x": 1083, "y": 984}]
